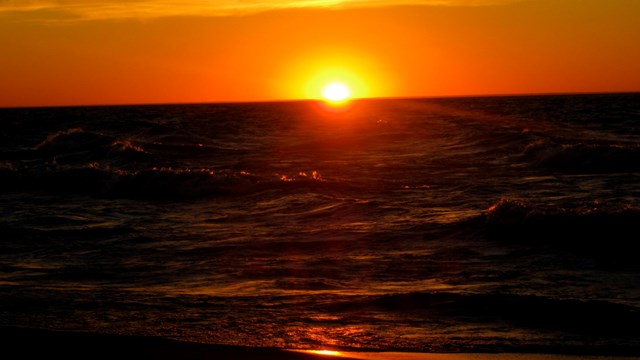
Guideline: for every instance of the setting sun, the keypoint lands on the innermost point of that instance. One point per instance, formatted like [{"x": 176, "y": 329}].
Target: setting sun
[
  {"x": 335, "y": 81},
  {"x": 336, "y": 92}
]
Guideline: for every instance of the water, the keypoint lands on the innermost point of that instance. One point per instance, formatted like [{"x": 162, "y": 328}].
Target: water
[{"x": 463, "y": 224}]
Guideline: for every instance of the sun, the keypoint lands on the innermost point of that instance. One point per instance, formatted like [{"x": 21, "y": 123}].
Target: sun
[{"x": 336, "y": 92}]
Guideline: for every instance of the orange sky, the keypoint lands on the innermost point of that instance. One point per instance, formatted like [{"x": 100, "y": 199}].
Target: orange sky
[{"x": 77, "y": 52}]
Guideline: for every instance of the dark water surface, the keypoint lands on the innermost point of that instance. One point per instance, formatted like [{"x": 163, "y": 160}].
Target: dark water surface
[{"x": 465, "y": 224}]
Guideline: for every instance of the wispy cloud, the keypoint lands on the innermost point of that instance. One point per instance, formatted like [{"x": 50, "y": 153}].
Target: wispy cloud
[{"x": 105, "y": 9}]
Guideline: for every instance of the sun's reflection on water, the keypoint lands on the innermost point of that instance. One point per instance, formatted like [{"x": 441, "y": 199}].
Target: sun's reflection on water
[{"x": 325, "y": 352}]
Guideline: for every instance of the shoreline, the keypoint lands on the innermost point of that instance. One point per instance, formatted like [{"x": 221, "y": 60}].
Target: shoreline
[{"x": 81, "y": 345}]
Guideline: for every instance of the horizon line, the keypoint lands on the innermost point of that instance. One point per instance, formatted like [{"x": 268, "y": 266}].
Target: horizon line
[{"x": 227, "y": 102}]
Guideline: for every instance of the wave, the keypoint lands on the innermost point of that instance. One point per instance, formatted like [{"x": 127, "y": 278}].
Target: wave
[
  {"x": 77, "y": 145},
  {"x": 529, "y": 311},
  {"x": 581, "y": 157},
  {"x": 508, "y": 213},
  {"x": 154, "y": 183},
  {"x": 91, "y": 163},
  {"x": 606, "y": 233}
]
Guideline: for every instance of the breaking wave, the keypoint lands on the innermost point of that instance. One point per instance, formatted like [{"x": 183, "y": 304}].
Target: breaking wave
[
  {"x": 606, "y": 233},
  {"x": 77, "y": 145},
  {"x": 583, "y": 158},
  {"x": 154, "y": 183}
]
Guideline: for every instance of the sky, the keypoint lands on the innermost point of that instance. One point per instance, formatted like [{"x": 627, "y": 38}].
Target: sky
[{"x": 90, "y": 52}]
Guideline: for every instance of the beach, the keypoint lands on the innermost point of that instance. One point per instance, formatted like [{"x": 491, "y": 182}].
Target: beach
[{"x": 29, "y": 343}]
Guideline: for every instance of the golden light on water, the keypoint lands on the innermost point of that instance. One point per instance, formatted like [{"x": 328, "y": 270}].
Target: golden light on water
[
  {"x": 323, "y": 352},
  {"x": 326, "y": 352}
]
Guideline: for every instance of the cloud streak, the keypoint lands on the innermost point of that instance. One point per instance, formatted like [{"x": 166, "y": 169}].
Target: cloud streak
[{"x": 145, "y": 9}]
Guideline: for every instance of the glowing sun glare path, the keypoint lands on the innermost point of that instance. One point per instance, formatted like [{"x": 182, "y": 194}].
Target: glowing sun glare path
[
  {"x": 336, "y": 92},
  {"x": 322, "y": 352}
]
